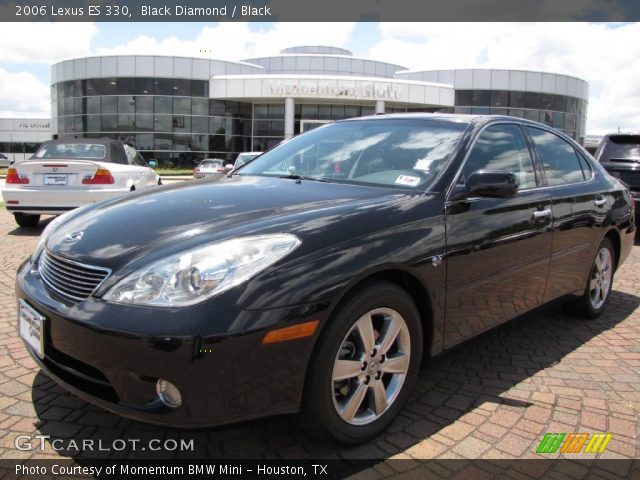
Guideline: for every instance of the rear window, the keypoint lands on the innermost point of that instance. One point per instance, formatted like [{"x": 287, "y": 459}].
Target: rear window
[
  {"x": 72, "y": 150},
  {"x": 623, "y": 147}
]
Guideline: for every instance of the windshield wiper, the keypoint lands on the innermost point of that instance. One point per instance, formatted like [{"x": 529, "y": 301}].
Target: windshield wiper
[{"x": 303, "y": 177}]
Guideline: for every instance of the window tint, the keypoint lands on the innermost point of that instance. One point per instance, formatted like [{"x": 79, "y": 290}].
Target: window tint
[
  {"x": 502, "y": 148},
  {"x": 558, "y": 158}
]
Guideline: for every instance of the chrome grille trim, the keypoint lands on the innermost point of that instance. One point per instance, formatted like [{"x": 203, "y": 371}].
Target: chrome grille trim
[{"x": 70, "y": 279}]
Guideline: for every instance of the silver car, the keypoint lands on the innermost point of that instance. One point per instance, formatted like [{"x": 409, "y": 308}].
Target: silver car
[
  {"x": 4, "y": 161},
  {"x": 211, "y": 167}
]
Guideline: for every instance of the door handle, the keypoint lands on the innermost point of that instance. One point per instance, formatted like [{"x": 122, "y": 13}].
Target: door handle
[
  {"x": 600, "y": 202},
  {"x": 540, "y": 214}
]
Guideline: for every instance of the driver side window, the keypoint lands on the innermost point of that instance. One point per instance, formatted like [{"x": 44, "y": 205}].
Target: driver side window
[{"x": 502, "y": 148}]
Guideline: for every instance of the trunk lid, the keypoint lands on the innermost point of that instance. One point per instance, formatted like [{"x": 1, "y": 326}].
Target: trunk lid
[{"x": 58, "y": 173}]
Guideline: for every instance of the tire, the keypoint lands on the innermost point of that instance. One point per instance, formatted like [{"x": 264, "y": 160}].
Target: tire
[
  {"x": 599, "y": 282},
  {"x": 326, "y": 409},
  {"x": 26, "y": 220}
]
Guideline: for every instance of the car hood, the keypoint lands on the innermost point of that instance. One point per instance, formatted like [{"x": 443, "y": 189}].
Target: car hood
[{"x": 164, "y": 220}]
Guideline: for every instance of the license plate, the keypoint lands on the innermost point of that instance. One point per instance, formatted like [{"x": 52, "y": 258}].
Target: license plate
[
  {"x": 31, "y": 327},
  {"x": 55, "y": 179}
]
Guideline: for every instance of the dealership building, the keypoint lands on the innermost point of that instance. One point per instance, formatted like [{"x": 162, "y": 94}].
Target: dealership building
[
  {"x": 19, "y": 137},
  {"x": 179, "y": 110}
]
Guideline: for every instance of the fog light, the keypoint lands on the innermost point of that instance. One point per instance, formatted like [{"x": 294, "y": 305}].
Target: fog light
[{"x": 168, "y": 393}]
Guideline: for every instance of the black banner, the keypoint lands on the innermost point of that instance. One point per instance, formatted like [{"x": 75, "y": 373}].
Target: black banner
[
  {"x": 316, "y": 11},
  {"x": 319, "y": 469}
]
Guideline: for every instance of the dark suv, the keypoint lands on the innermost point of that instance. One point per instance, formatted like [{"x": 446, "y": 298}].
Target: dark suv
[{"x": 619, "y": 154}]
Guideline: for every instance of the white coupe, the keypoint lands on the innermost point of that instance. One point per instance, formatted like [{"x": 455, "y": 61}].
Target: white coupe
[{"x": 66, "y": 174}]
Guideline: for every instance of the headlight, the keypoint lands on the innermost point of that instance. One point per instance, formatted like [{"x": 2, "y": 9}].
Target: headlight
[{"x": 193, "y": 276}]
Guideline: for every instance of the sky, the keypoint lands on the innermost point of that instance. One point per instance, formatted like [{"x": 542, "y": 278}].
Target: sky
[{"x": 607, "y": 55}]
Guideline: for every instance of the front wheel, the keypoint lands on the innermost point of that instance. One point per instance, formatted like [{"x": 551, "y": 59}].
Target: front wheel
[
  {"x": 365, "y": 364},
  {"x": 26, "y": 220}
]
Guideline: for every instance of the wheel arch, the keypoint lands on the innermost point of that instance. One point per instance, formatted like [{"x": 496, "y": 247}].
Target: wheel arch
[
  {"x": 409, "y": 283},
  {"x": 614, "y": 237}
]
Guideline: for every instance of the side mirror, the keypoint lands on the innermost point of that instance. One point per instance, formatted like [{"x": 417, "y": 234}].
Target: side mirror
[
  {"x": 228, "y": 167},
  {"x": 497, "y": 184},
  {"x": 152, "y": 163}
]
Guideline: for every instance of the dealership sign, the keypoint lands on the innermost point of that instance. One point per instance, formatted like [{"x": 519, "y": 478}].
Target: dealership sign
[
  {"x": 31, "y": 125},
  {"x": 357, "y": 90}
]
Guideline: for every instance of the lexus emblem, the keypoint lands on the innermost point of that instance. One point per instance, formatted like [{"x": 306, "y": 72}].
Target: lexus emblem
[{"x": 73, "y": 237}]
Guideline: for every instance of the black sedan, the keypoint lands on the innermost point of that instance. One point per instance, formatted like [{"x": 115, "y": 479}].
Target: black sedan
[{"x": 317, "y": 278}]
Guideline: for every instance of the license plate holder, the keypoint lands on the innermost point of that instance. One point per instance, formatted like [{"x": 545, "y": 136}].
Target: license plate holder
[
  {"x": 57, "y": 179},
  {"x": 31, "y": 325}
]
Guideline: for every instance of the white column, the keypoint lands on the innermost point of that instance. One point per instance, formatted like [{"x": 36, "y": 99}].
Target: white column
[
  {"x": 379, "y": 106},
  {"x": 289, "y": 116}
]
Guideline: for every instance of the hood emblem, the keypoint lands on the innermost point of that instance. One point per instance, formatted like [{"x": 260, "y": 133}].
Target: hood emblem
[{"x": 73, "y": 237}]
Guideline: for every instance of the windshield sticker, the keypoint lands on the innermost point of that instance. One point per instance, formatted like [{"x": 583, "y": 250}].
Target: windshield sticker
[{"x": 407, "y": 180}]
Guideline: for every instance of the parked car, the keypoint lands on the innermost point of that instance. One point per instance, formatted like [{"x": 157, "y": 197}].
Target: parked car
[
  {"x": 245, "y": 157},
  {"x": 68, "y": 173},
  {"x": 320, "y": 291},
  {"x": 619, "y": 154},
  {"x": 4, "y": 161},
  {"x": 211, "y": 167}
]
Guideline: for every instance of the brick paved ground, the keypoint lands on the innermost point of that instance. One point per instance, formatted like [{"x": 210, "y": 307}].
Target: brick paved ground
[{"x": 492, "y": 398}]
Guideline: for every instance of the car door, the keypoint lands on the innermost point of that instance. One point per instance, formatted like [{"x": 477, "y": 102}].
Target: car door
[
  {"x": 497, "y": 248},
  {"x": 578, "y": 208}
]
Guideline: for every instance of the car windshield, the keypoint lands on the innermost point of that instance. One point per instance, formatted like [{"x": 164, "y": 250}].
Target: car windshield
[
  {"x": 621, "y": 147},
  {"x": 405, "y": 153},
  {"x": 72, "y": 150}
]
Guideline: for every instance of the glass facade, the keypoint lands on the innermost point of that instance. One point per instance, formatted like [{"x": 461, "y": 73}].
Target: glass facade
[
  {"x": 174, "y": 120},
  {"x": 171, "y": 120},
  {"x": 18, "y": 147},
  {"x": 565, "y": 113}
]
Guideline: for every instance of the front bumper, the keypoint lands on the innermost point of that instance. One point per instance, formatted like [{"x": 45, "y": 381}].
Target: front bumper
[
  {"x": 42, "y": 201},
  {"x": 223, "y": 377}
]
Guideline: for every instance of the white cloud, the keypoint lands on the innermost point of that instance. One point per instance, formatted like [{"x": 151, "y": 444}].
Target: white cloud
[
  {"x": 23, "y": 95},
  {"x": 45, "y": 42},
  {"x": 608, "y": 58},
  {"x": 235, "y": 40}
]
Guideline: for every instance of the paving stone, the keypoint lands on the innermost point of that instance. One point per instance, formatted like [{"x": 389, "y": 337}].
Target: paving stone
[
  {"x": 471, "y": 447},
  {"x": 514, "y": 445}
]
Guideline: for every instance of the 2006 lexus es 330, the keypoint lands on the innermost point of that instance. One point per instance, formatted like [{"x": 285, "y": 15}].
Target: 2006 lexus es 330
[{"x": 317, "y": 278}]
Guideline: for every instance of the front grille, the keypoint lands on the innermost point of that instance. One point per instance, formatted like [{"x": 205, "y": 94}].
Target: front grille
[{"x": 68, "y": 278}]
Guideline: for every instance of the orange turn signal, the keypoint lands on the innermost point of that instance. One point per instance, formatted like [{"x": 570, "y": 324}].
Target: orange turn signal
[{"x": 293, "y": 332}]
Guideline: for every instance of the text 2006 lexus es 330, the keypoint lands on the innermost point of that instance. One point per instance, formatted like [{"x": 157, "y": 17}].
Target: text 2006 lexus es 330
[{"x": 317, "y": 278}]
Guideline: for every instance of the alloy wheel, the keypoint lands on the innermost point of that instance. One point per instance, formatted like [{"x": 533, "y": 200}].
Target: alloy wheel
[
  {"x": 601, "y": 276},
  {"x": 371, "y": 366}
]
